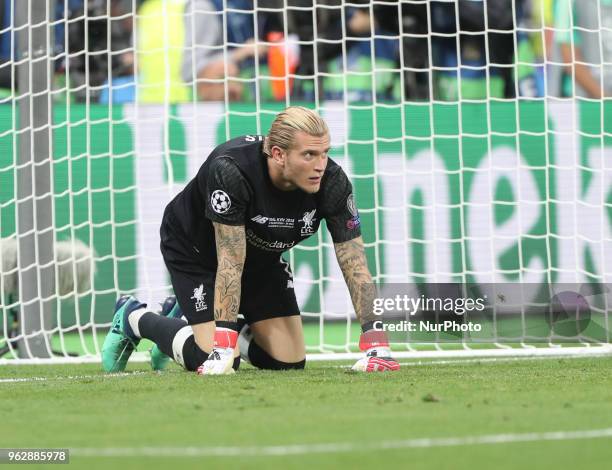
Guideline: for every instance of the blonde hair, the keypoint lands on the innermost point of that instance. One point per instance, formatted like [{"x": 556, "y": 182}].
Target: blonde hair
[{"x": 291, "y": 120}]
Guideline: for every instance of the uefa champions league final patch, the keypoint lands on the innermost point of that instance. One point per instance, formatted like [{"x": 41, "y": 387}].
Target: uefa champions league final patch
[{"x": 220, "y": 201}]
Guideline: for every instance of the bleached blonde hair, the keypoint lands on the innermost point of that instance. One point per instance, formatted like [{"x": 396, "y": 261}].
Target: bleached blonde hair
[{"x": 292, "y": 120}]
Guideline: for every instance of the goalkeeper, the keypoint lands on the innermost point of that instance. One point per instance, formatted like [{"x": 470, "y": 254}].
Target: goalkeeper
[{"x": 222, "y": 240}]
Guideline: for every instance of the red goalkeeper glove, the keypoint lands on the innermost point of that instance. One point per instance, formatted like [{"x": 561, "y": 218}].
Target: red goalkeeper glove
[
  {"x": 221, "y": 359},
  {"x": 377, "y": 353}
]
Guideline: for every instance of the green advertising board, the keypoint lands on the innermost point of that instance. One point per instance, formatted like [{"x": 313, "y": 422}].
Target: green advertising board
[{"x": 481, "y": 192}]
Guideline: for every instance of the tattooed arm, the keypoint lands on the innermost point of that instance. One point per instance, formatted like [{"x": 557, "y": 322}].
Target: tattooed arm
[
  {"x": 352, "y": 260},
  {"x": 231, "y": 253},
  {"x": 373, "y": 342}
]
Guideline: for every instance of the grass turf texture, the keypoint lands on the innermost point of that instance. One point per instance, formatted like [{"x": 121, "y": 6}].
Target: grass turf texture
[{"x": 322, "y": 404}]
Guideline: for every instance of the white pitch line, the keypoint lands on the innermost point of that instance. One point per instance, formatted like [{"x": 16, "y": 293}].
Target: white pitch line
[
  {"x": 69, "y": 377},
  {"x": 338, "y": 366},
  {"x": 345, "y": 366},
  {"x": 338, "y": 447}
]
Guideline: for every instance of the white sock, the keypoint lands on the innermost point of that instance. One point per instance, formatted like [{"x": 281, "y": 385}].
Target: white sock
[
  {"x": 133, "y": 319},
  {"x": 178, "y": 342}
]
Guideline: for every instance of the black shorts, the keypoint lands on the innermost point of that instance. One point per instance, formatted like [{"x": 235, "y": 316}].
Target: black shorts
[{"x": 266, "y": 293}]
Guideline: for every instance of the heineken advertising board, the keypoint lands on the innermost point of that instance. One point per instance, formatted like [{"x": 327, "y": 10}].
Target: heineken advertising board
[{"x": 479, "y": 192}]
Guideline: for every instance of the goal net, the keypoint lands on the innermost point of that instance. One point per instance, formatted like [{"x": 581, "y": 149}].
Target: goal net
[{"x": 477, "y": 136}]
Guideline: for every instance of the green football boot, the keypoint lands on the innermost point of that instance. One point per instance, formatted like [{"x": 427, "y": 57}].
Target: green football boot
[
  {"x": 120, "y": 341},
  {"x": 170, "y": 309}
]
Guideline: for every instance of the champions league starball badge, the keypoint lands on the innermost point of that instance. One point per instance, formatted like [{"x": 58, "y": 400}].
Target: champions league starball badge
[{"x": 220, "y": 201}]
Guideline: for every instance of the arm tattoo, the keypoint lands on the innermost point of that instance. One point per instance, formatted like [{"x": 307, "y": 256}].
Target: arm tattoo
[
  {"x": 231, "y": 253},
  {"x": 352, "y": 260}
]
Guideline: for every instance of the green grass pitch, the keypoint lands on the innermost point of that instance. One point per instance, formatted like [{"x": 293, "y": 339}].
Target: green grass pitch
[{"x": 322, "y": 417}]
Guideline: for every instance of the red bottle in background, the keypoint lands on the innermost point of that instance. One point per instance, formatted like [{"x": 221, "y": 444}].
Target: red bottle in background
[{"x": 283, "y": 59}]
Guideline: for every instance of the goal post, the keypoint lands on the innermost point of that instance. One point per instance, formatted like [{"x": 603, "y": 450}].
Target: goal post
[
  {"x": 463, "y": 171},
  {"x": 34, "y": 194}
]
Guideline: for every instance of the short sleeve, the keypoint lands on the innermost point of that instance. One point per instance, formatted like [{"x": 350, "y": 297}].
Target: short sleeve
[
  {"x": 227, "y": 193},
  {"x": 339, "y": 207}
]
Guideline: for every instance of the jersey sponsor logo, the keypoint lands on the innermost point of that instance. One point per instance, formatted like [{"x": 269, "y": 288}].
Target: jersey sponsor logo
[
  {"x": 260, "y": 219},
  {"x": 274, "y": 245},
  {"x": 198, "y": 296},
  {"x": 308, "y": 220},
  {"x": 220, "y": 201}
]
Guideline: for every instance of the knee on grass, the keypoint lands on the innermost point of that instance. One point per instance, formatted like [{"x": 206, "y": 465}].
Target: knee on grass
[{"x": 260, "y": 358}]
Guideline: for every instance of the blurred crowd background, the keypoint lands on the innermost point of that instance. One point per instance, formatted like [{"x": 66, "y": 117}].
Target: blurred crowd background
[{"x": 160, "y": 51}]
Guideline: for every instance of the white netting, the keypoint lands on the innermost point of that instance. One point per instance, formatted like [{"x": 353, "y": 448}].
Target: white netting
[{"x": 476, "y": 138}]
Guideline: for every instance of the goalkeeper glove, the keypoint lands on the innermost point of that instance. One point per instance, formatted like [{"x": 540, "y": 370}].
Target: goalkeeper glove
[
  {"x": 221, "y": 359},
  {"x": 377, "y": 353}
]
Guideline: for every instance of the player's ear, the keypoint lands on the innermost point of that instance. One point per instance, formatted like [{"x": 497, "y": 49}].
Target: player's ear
[{"x": 278, "y": 155}]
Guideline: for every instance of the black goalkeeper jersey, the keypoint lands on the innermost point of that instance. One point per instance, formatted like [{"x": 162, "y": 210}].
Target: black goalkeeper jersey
[{"x": 233, "y": 187}]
